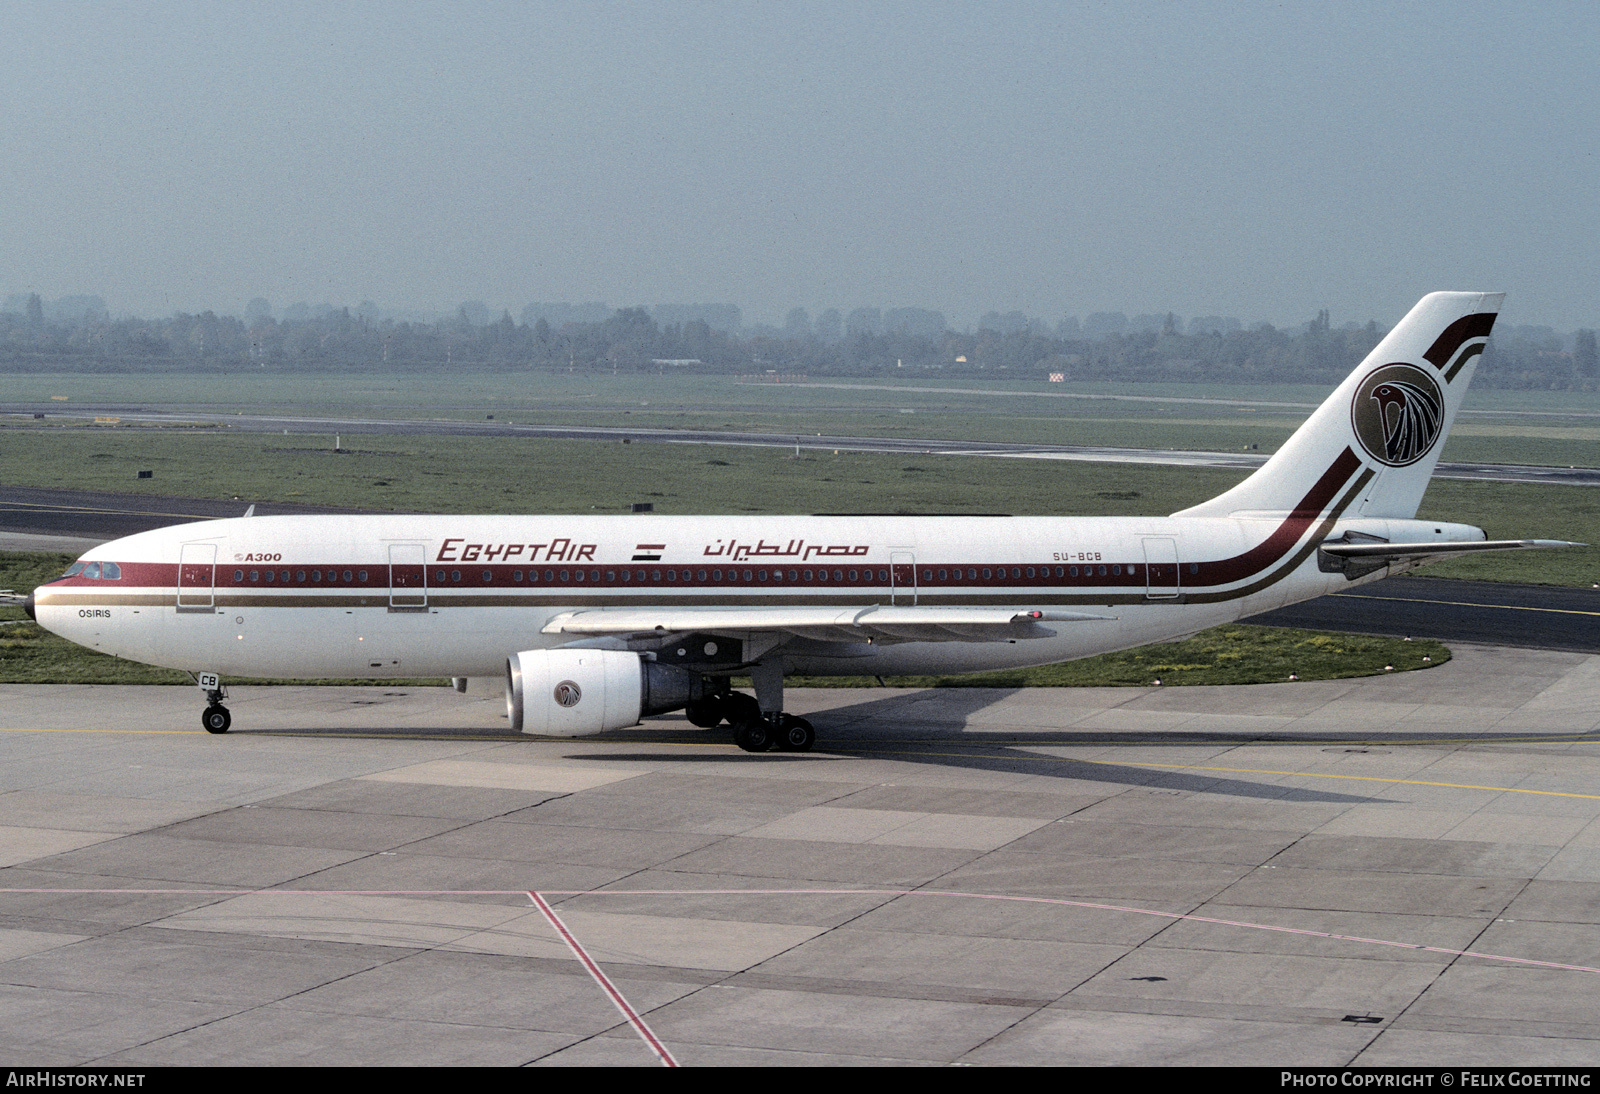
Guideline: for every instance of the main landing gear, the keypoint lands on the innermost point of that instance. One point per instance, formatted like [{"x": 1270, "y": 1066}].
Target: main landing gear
[
  {"x": 758, "y": 721},
  {"x": 215, "y": 718}
]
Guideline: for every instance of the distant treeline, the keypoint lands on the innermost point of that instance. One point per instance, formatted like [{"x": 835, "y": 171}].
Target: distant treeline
[{"x": 631, "y": 340}]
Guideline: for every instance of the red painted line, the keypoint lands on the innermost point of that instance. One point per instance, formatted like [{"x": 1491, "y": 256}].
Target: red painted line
[
  {"x": 617, "y": 1000},
  {"x": 632, "y": 1016},
  {"x": 1082, "y": 904}
]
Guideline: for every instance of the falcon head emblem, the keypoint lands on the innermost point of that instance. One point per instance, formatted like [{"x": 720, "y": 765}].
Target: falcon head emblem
[
  {"x": 567, "y": 693},
  {"x": 1398, "y": 414}
]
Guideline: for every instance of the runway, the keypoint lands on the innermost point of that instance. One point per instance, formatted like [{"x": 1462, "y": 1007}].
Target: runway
[
  {"x": 1390, "y": 871},
  {"x": 361, "y": 426}
]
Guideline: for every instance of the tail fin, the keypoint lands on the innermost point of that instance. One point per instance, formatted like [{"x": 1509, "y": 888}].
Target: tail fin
[{"x": 1370, "y": 449}]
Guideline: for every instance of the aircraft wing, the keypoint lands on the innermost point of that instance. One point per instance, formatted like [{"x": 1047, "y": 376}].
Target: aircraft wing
[
  {"x": 1380, "y": 551},
  {"x": 903, "y": 624}
]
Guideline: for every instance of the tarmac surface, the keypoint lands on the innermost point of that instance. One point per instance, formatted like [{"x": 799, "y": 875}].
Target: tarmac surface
[{"x": 1393, "y": 870}]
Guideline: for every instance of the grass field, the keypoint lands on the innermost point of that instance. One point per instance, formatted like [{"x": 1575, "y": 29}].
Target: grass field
[{"x": 1529, "y": 427}]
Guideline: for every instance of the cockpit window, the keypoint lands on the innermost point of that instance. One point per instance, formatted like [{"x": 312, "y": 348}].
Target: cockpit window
[
  {"x": 91, "y": 570},
  {"x": 110, "y": 571},
  {"x": 74, "y": 570}
]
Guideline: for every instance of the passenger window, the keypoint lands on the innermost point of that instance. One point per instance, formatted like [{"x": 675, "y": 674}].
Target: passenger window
[
  {"x": 943, "y": 575},
  {"x": 594, "y": 575},
  {"x": 611, "y": 575},
  {"x": 883, "y": 575},
  {"x": 972, "y": 575},
  {"x": 716, "y": 575},
  {"x": 822, "y": 575},
  {"x": 777, "y": 575},
  {"x": 566, "y": 576},
  {"x": 580, "y": 575},
  {"x": 655, "y": 575},
  {"x": 285, "y": 576},
  {"x": 349, "y": 577},
  {"x": 747, "y": 575},
  {"x": 627, "y": 575},
  {"x": 702, "y": 575},
  {"x": 316, "y": 575},
  {"x": 1102, "y": 571},
  {"x": 1016, "y": 571},
  {"x": 238, "y": 575},
  {"x": 809, "y": 576},
  {"x": 455, "y": 575},
  {"x": 255, "y": 575},
  {"x": 516, "y": 575},
  {"x": 1030, "y": 571},
  {"x": 1116, "y": 571},
  {"x": 488, "y": 576},
  {"x": 672, "y": 575},
  {"x": 1194, "y": 568},
  {"x": 987, "y": 573},
  {"x": 853, "y": 576},
  {"x": 838, "y": 575},
  {"x": 299, "y": 575},
  {"x": 362, "y": 576},
  {"x": 550, "y": 575},
  {"x": 761, "y": 575},
  {"x": 272, "y": 575}
]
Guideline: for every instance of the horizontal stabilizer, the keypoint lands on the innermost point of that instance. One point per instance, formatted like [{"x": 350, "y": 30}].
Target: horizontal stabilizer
[
  {"x": 894, "y": 624},
  {"x": 1417, "y": 550}
]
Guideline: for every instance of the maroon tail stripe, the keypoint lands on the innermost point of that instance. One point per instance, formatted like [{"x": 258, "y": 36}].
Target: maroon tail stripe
[
  {"x": 1287, "y": 534},
  {"x": 1462, "y": 330}
]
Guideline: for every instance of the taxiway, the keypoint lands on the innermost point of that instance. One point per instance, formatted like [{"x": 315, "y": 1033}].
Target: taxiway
[{"x": 1394, "y": 870}]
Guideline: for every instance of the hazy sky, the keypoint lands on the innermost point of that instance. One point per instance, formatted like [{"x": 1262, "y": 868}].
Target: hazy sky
[{"x": 1256, "y": 160}]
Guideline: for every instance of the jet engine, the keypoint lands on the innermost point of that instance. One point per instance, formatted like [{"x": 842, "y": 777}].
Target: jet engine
[{"x": 576, "y": 692}]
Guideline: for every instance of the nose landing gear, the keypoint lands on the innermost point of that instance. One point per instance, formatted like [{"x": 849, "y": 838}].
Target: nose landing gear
[{"x": 215, "y": 718}]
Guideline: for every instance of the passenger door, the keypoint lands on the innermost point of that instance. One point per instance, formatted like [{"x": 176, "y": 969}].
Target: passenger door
[
  {"x": 1160, "y": 567},
  {"x": 408, "y": 577},
  {"x": 197, "y": 577}
]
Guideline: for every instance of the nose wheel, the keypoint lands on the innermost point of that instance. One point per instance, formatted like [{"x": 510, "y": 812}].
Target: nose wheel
[{"x": 216, "y": 718}]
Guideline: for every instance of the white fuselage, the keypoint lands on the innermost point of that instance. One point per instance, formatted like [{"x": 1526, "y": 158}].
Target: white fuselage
[{"x": 416, "y": 596}]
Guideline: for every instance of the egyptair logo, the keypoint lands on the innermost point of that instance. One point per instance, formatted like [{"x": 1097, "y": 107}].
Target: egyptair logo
[
  {"x": 1398, "y": 414},
  {"x": 568, "y": 693}
]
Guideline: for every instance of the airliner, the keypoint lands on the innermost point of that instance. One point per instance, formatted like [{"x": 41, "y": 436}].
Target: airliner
[{"x": 595, "y": 622}]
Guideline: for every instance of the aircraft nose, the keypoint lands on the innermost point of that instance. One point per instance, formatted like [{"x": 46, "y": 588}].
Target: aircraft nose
[{"x": 27, "y": 606}]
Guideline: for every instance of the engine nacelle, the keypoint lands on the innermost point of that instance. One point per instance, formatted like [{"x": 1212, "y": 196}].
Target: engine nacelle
[{"x": 576, "y": 692}]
